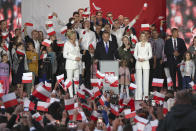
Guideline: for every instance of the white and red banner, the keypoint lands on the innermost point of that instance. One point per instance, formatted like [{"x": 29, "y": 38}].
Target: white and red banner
[
  {"x": 128, "y": 114},
  {"x": 157, "y": 82},
  {"x": 41, "y": 93},
  {"x": 37, "y": 117},
  {"x": 42, "y": 106},
  {"x": 9, "y": 100}
]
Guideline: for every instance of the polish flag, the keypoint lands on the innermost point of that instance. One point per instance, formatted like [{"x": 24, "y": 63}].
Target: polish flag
[
  {"x": 145, "y": 6},
  {"x": 64, "y": 30},
  {"x": 81, "y": 94},
  {"x": 169, "y": 82},
  {"x": 157, "y": 82},
  {"x": 28, "y": 24},
  {"x": 47, "y": 43},
  {"x": 86, "y": 106},
  {"x": 102, "y": 100},
  {"x": 66, "y": 84},
  {"x": 141, "y": 120},
  {"x": 154, "y": 124},
  {"x": 20, "y": 52},
  {"x": 83, "y": 88},
  {"x": 1, "y": 89},
  {"x": 69, "y": 104},
  {"x": 110, "y": 21},
  {"x": 193, "y": 85},
  {"x": 9, "y": 100},
  {"x": 60, "y": 43},
  {"x": 51, "y": 31},
  {"x": 128, "y": 114},
  {"x": 26, "y": 79},
  {"x": 47, "y": 86},
  {"x": 49, "y": 23},
  {"x": 96, "y": 92},
  {"x": 60, "y": 78},
  {"x": 114, "y": 82},
  {"x": 165, "y": 108},
  {"x": 132, "y": 51},
  {"x": 94, "y": 115},
  {"x": 100, "y": 75},
  {"x": 29, "y": 104},
  {"x": 50, "y": 16},
  {"x": 95, "y": 82},
  {"x": 134, "y": 39},
  {"x": 114, "y": 109},
  {"x": 41, "y": 93},
  {"x": 42, "y": 106},
  {"x": 86, "y": 14},
  {"x": 145, "y": 27},
  {"x": 6, "y": 46},
  {"x": 158, "y": 96},
  {"x": 52, "y": 100},
  {"x": 43, "y": 56},
  {"x": 132, "y": 86},
  {"x": 76, "y": 82},
  {"x": 4, "y": 35},
  {"x": 37, "y": 117}
]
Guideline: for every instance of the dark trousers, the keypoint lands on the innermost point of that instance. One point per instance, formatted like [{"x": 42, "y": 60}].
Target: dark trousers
[
  {"x": 173, "y": 69},
  {"x": 185, "y": 82}
]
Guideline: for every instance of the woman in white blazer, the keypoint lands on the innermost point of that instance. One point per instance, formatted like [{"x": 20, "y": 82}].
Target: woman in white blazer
[
  {"x": 142, "y": 54},
  {"x": 71, "y": 52}
]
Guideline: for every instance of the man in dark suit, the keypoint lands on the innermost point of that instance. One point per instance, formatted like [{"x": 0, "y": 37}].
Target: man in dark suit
[
  {"x": 105, "y": 50},
  {"x": 174, "y": 51}
]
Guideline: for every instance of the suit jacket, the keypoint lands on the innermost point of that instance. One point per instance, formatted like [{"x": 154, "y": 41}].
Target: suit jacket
[
  {"x": 169, "y": 50},
  {"x": 101, "y": 54}
]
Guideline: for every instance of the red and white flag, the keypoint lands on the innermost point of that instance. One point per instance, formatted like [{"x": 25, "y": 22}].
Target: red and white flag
[
  {"x": 26, "y": 79},
  {"x": 64, "y": 30},
  {"x": 70, "y": 104},
  {"x": 169, "y": 82},
  {"x": 37, "y": 117},
  {"x": 86, "y": 106},
  {"x": 110, "y": 21},
  {"x": 157, "y": 82},
  {"x": 100, "y": 75},
  {"x": 145, "y": 27},
  {"x": 128, "y": 114},
  {"x": 133, "y": 77},
  {"x": 47, "y": 86},
  {"x": 76, "y": 82},
  {"x": 4, "y": 35},
  {"x": 28, "y": 24},
  {"x": 165, "y": 108},
  {"x": 145, "y": 6},
  {"x": 96, "y": 92},
  {"x": 47, "y": 43},
  {"x": 1, "y": 89},
  {"x": 96, "y": 82},
  {"x": 154, "y": 124},
  {"x": 66, "y": 84},
  {"x": 52, "y": 100},
  {"x": 81, "y": 94},
  {"x": 60, "y": 78},
  {"x": 141, "y": 120},
  {"x": 83, "y": 88},
  {"x": 94, "y": 115},
  {"x": 50, "y": 31},
  {"x": 6, "y": 46},
  {"x": 158, "y": 96},
  {"x": 29, "y": 104},
  {"x": 9, "y": 100},
  {"x": 43, "y": 56},
  {"x": 42, "y": 106},
  {"x": 193, "y": 85},
  {"x": 96, "y": 7},
  {"x": 132, "y": 86},
  {"x": 49, "y": 23},
  {"x": 132, "y": 51},
  {"x": 20, "y": 52},
  {"x": 114, "y": 109},
  {"x": 60, "y": 43},
  {"x": 41, "y": 93},
  {"x": 50, "y": 16},
  {"x": 102, "y": 100},
  {"x": 134, "y": 39}
]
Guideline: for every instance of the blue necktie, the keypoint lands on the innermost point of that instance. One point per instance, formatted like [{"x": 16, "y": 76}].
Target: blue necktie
[{"x": 106, "y": 48}]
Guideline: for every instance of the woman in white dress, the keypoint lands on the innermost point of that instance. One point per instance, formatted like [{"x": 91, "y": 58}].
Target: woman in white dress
[
  {"x": 72, "y": 54},
  {"x": 142, "y": 54}
]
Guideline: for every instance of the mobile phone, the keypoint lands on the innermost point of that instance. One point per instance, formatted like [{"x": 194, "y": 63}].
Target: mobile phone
[
  {"x": 153, "y": 103},
  {"x": 3, "y": 109},
  {"x": 26, "y": 109}
]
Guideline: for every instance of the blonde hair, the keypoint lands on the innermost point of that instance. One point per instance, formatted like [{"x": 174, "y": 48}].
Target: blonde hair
[{"x": 70, "y": 33}]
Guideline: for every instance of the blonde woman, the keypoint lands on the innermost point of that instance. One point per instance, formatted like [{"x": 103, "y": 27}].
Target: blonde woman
[
  {"x": 142, "y": 54},
  {"x": 71, "y": 52}
]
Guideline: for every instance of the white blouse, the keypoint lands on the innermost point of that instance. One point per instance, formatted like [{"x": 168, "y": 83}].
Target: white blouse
[{"x": 144, "y": 52}]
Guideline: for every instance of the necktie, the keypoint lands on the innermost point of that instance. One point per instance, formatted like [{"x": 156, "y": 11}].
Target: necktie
[
  {"x": 106, "y": 48},
  {"x": 175, "y": 45}
]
